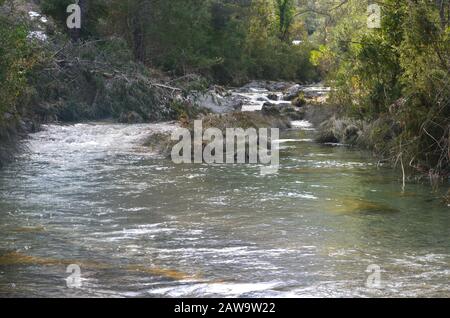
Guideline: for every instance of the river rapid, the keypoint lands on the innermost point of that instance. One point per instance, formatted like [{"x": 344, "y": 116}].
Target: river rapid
[{"x": 138, "y": 225}]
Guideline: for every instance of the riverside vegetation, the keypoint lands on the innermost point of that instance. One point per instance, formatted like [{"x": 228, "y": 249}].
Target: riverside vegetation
[{"x": 140, "y": 61}]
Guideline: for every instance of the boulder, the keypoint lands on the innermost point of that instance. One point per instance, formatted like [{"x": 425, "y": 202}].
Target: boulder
[
  {"x": 278, "y": 86},
  {"x": 265, "y": 86},
  {"x": 272, "y": 96},
  {"x": 218, "y": 102},
  {"x": 292, "y": 92},
  {"x": 284, "y": 105},
  {"x": 253, "y": 87},
  {"x": 300, "y": 100},
  {"x": 235, "y": 102},
  {"x": 160, "y": 143},
  {"x": 28, "y": 125},
  {"x": 7, "y": 116}
]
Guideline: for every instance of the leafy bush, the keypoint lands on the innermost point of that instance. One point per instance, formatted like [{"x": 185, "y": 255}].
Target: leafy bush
[{"x": 401, "y": 72}]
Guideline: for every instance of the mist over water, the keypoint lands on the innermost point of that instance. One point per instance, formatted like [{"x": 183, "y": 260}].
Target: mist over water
[{"x": 139, "y": 225}]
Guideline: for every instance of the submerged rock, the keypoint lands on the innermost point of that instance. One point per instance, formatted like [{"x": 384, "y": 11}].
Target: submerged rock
[
  {"x": 160, "y": 143},
  {"x": 357, "y": 205}
]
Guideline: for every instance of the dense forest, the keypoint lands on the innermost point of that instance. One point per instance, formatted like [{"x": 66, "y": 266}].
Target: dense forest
[{"x": 389, "y": 81}]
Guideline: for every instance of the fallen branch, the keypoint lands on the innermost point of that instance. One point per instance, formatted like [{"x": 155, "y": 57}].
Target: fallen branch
[{"x": 166, "y": 87}]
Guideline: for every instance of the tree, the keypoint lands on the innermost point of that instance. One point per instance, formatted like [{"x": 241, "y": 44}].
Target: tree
[
  {"x": 400, "y": 73},
  {"x": 285, "y": 13},
  {"x": 17, "y": 60},
  {"x": 92, "y": 13}
]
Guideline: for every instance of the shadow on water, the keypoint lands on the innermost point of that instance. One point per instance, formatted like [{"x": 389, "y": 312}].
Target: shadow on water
[
  {"x": 17, "y": 258},
  {"x": 359, "y": 205}
]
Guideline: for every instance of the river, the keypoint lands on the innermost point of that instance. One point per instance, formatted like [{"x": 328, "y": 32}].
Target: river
[{"x": 138, "y": 225}]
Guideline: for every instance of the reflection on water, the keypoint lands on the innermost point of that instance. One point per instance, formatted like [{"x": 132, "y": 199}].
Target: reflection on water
[{"x": 138, "y": 225}]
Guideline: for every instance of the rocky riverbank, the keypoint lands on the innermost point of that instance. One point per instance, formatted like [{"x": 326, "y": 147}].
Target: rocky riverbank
[
  {"x": 260, "y": 96},
  {"x": 259, "y": 104}
]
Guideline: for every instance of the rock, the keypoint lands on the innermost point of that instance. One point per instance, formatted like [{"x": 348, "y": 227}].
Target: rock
[
  {"x": 273, "y": 97},
  {"x": 292, "y": 92},
  {"x": 28, "y": 125},
  {"x": 8, "y": 116},
  {"x": 131, "y": 117},
  {"x": 284, "y": 105},
  {"x": 265, "y": 86},
  {"x": 300, "y": 100},
  {"x": 253, "y": 87},
  {"x": 220, "y": 90},
  {"x": 278, "y": 86},
  {"x": 293, "y": 113},
  {"x": 160, "y": 143},
  {"x": 218, "y": 101},
  {"x": 233, "y": 102},
  {"x": 262, "y": 99},
  {"x": 270, "y": 109},
  {"x": 23, "y": 125}
]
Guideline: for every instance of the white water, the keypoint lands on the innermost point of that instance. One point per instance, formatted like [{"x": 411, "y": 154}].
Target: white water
[
  {"x": 256, "y": 99},
  {"x": 96, "y": 196},
  {"x": 82, "y": 142}
]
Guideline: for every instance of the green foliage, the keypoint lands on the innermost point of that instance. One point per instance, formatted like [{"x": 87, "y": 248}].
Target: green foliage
[
  {"x": 97, "y": 80},
  {"x": 93, "y": 12},
  {"x": 16, "y": 62},
  {"x": 230, "y": 41},
  {"x": 285, "y": 11},
  {"x": 399, "y": 71}
]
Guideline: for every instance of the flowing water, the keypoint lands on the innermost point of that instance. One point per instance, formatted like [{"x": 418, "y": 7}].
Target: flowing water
[{"x": 140, "y": 226}]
